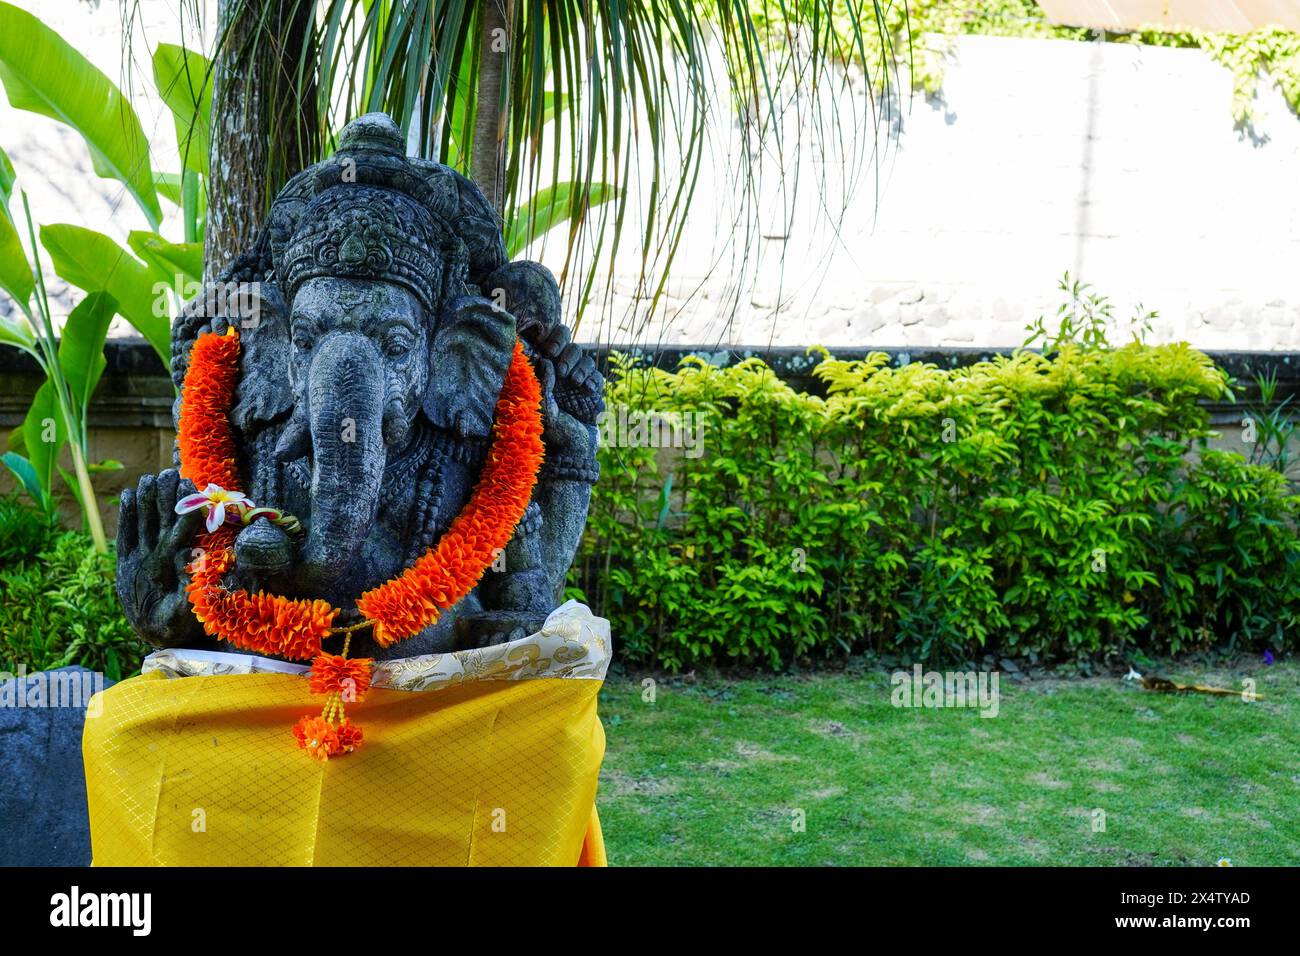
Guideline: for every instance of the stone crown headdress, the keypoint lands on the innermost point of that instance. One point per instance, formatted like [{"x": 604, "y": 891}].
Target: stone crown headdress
[
  {"x": 367, "y": 233},
  {"x": 371, "y": 212}
]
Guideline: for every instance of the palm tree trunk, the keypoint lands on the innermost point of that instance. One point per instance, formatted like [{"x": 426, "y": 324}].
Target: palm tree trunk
[
  {"x": 294, "y": 135},
  {"x": 238, "y": 147},
  {"x": 487, "y": 160},
  {"x": 263, "y": 120}
]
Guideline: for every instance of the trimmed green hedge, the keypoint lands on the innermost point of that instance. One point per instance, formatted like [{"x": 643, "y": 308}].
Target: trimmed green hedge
[{"x": 1064, "y": 504}]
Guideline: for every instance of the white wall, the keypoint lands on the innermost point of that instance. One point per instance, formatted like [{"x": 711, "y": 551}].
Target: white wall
[{"x": 1119, "y": 163}]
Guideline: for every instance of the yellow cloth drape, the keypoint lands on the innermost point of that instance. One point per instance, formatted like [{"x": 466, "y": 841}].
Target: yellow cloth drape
[{"x": 204, "y": 771}]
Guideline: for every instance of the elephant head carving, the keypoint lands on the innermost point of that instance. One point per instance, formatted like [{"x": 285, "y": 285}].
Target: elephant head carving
[{"x": 381, "y": 321}]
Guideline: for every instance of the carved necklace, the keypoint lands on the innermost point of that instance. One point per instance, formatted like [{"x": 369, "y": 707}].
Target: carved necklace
[{"x": 397, "y": 609}]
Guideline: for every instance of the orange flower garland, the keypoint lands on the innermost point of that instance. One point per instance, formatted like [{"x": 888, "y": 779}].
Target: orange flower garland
[
  {"x": 264, "y": 623},
  {"x": 396, "y": 610},
  {"x": 206, "y": 442},
  {"x": 444, "y": 574}
]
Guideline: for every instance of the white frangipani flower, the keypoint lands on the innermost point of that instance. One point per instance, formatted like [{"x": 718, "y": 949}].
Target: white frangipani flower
[{"x": 215, "y": 499}]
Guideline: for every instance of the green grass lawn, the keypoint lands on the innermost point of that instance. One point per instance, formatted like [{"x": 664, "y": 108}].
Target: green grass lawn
[{"x": 714, "y": 770}]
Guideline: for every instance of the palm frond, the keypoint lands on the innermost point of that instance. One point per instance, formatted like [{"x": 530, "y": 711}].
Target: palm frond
[{"x": 614, "y": 95}]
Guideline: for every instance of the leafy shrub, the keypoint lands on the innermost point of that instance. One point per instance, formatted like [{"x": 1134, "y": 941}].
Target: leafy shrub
[
  {"x": 1062, "y": 503},
  {"x": 57, "y": 604},
  {"x": 24, "y": 532}
]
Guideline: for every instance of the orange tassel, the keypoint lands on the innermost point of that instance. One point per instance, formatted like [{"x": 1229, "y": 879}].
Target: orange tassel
[{"x": 334, "y": 674}]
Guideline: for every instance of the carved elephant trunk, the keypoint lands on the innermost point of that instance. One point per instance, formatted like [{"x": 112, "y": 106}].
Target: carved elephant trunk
[{"x": 346, "y": 403}]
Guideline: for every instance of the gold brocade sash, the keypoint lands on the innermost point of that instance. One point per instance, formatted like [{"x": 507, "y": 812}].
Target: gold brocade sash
[{"x": 484, "y": 757}]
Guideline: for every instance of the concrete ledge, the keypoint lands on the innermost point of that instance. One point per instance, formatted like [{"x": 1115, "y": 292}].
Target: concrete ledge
[{"x": 137, "y": 392}]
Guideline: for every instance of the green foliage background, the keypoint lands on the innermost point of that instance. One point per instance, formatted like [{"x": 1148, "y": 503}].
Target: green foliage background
[
  {"x": 57, "y": 605},
  {"x": 1061, "y": 504},
  {"x": 1064, "y": 504}
]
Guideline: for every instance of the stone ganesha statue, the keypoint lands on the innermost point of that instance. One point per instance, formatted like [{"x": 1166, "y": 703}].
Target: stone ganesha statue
[{"x": 377, "y": 316}]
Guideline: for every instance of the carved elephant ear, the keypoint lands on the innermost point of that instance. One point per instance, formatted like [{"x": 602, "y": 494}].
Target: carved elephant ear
[
  {"x": 264, "y": 395},
  {"x": 468, "y": 360},
  {"x": 243, "y": 295}
]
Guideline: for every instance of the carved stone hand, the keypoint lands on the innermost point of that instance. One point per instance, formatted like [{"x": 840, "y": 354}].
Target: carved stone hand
[
  {"x": 577, "y": 386},
  {"x": 153, "y": 547}
]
